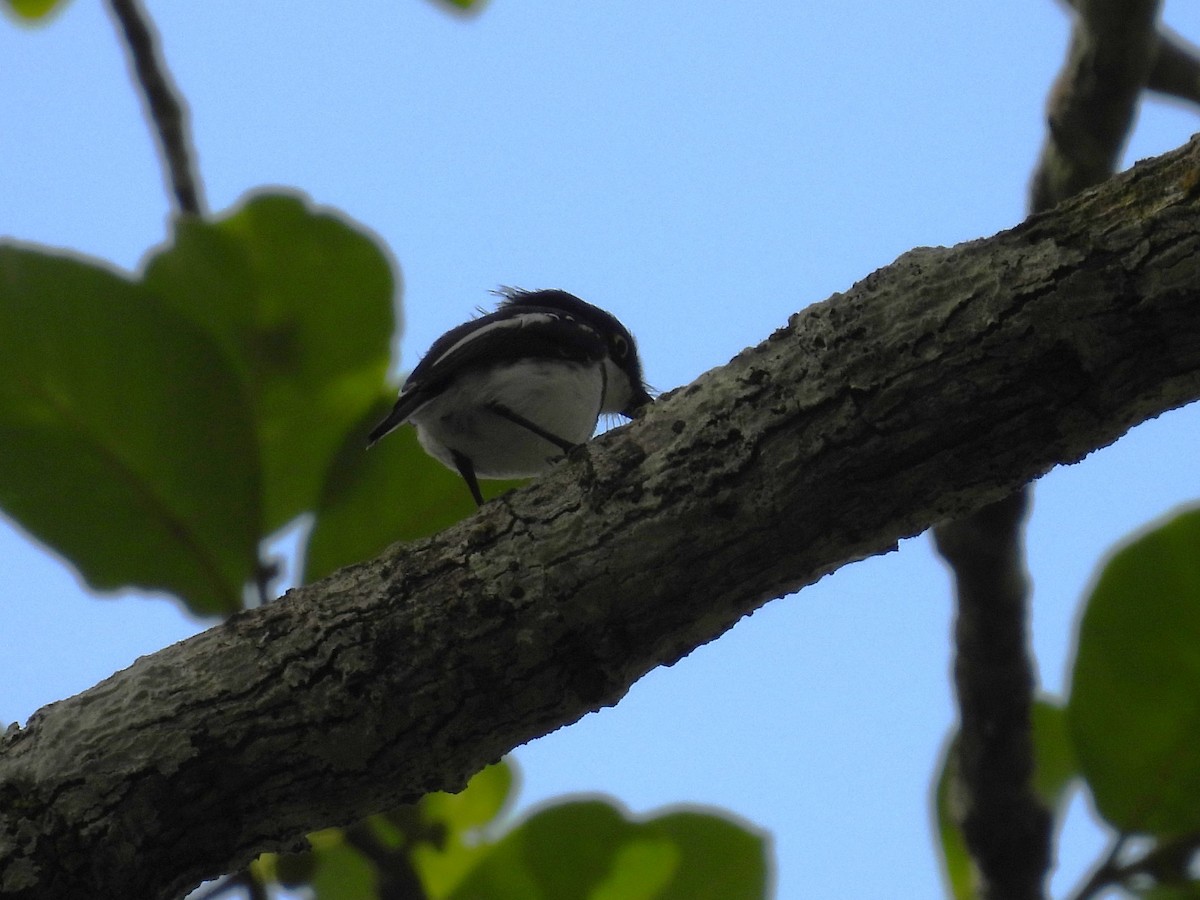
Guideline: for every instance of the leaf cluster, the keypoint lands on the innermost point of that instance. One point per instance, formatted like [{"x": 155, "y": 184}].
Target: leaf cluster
[
  {"x": 158, "y": 430},
  {"x": 454, "y": 847}
]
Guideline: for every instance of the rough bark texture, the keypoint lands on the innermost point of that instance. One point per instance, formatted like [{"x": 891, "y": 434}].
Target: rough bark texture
[
  {"x": 934, "y": 386},
  {"x": 1116, "y": 53}
]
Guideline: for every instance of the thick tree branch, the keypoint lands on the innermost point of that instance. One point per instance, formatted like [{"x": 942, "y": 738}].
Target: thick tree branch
[
  {"x": 1116, "y": 51},
  {"x": 934, "y": 386},
  {"x": 164, "y": 108}
]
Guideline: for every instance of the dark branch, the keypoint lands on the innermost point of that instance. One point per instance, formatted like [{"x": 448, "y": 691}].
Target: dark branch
[
  {"x": 1094, "y": 99},
  {"x": 934, "y": 386},
  {"x": 1176, "y": 71},
  {"x": 1115, "y": 48},
  {"x": 165, "y": 109},
  {"x": 1167, "y": 862},
  {"x": 1106, "y": 874},
  {"x": 1004, "y": 824}
]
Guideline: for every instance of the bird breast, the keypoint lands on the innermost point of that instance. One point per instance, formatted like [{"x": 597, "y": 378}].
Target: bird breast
[{"x": 563, "y": 398}]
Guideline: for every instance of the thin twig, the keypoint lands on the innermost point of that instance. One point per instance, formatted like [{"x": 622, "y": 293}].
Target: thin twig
[
  {"x": 1105, "y": 873},
  {"x": 165, "y": 109},
  {"x": 265, "y": 573}
]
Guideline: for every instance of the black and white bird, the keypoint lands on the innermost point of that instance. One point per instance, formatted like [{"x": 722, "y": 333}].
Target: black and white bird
[{"x": 508, "y": 394}]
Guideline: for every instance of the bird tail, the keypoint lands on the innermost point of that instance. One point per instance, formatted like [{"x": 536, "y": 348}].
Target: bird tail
[{"x": 393, "y": 421}]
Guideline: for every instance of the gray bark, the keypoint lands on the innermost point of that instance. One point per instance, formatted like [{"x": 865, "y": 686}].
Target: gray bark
[
  {"x": 932, "y": 387},
  {"x": 1117, "y": 52}
]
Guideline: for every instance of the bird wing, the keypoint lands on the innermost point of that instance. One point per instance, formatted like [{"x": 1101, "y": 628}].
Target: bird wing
[{"x": 508, "y": 335}]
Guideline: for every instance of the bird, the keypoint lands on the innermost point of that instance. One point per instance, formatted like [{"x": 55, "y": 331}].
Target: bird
[{"x": 508, "y": 394}]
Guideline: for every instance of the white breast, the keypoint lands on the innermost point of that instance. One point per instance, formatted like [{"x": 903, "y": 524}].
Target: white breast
[{"x": 561, "y": 397}]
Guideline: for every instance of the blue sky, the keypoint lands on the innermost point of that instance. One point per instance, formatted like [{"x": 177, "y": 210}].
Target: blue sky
[{"x": 702, "y": 170}]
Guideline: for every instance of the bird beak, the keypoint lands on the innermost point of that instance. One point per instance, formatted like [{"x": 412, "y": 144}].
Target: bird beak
[{"x": 639, "y": 399}]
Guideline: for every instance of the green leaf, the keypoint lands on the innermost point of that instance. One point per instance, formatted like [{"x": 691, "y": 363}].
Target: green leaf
[
  {"x": 463, "y": 4},
  {"x": 463, "y": 817},
  {"x": 392, "y": 492},
  {"x": 481, "y": 801},
  {"x": 1134, "y": 710},
  {"x": 1054, "y": 769},
  {"x": 341, "y": 872},
  {"x": 958, "y": 867},
  {"x": 640, "y": 870},
  {"x": 719, "y": 858},
  {"x": 127, "y": 442},
  {"x": 1055, "y": 765},
  {"x": 1190, "y": 891},
  {"x": 579, "y": 850},
  {"x": 435, "y": 838},
  {"x": 560, "y": 853},
  {"x": 589, "y": 850},
  {"x": 301, "y": 303},
  {"x": 34, "y": 9}
]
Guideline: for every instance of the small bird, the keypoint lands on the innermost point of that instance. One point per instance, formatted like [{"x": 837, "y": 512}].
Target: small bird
[{"x": 508, "y": 394}]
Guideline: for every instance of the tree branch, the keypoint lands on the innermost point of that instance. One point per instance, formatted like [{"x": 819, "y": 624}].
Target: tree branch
[
  {"x": 1116, "y": 51},
  {"x": 1176, "y": 71},
  {"x": 1168, "y": 862},
  {"x": 165, "y": 109},
  {"x": 1094, "y": 99},
  {"x": 934, "y": 386},
  {"x": 1106, "y": 873},
  {"x": 1004, "y": 824},
  {"x": 1175, "y": 66}
]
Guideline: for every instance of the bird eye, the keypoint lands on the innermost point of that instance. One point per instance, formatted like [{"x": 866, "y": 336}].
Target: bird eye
[{"x": 620, "y": 346}]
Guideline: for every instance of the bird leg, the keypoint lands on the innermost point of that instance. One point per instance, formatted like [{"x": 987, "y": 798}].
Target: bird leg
[
  {"x": 467, "y": 470},
  {"x": 517, "y": 419}
]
